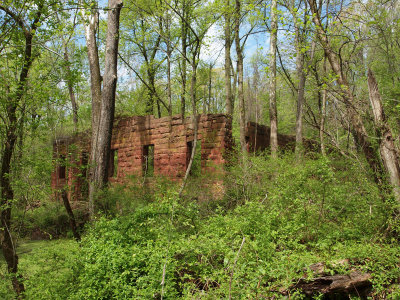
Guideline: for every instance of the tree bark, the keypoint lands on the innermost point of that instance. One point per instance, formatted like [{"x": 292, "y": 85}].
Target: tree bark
[
  {"x": 108, "y": 93},
  {"x": 234, "y": 86},
  {"x": 228, "y": 42},
  {"x": 193, "y": 97},
  {"x": 71, "y": 216},
  {"x": 184, "y": 57},
  {"x": 71, "y": 90},
  {"x": 273, "y": 115},
  {"x": 239, "y": 54},
  {"x": 169, "y": 53},
  {"x": 386, "y": 145},
  {"x": 209, "y": 83},
  {"x": 7, "y": 192},
  {"x": 323, "y": 113},
  {"x": 300, "y": 91},
  {"x": 100, "y": 150},
  {"x": 95, "y": 88}
]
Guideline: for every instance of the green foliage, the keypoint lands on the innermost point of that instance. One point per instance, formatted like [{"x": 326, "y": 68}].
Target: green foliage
[
  {"x": 48, "y": 221},
  {"x": 47, "y": 269},
  {"x": 328, "y": 212}
]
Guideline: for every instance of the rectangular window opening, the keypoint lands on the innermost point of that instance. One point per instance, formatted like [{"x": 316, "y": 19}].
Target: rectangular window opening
[
  {"x": 148, "y": 160},
  {"x": 61, "y": 167},
  {"x": 84, "y": 171},
  {"x": 113, "y": 167},
  {"x": 196, "y": 165}
]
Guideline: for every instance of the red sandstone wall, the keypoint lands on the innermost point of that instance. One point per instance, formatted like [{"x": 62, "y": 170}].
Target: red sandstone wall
[{"x": 169, "y": 135}]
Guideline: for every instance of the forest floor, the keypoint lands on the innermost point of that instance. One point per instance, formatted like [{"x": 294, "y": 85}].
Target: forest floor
[{"x": 36, "y": 259}]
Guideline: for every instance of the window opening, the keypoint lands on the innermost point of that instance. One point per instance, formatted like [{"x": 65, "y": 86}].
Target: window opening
[
  {"x": 148, "y": 160},
  {"x": 113, "y": 167},
  {"x": 61, "y": 167},
  {"x": 196, "y": 165},
  {"x": 84, "y": 170}
]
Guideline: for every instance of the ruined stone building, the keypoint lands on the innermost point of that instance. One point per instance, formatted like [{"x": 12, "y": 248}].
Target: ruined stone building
[{"x": 144, "y": 145}]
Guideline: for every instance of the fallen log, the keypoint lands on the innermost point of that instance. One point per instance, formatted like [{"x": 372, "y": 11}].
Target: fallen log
[
  {"x": 356, "y": 283},
  {"x": 337, "y": 286}
]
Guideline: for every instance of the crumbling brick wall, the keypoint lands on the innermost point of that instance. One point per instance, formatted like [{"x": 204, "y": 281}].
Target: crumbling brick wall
[{"x": 169, "y": 137}]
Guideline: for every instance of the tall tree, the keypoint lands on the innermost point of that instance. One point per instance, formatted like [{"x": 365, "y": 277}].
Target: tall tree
[
  {"x": 25, "y": 28},
  {"x": 300, "y": 63},
  {"x": 360, "y": 134},
  {"x": 227, "y": 65},
  {"x": 273, "y": 115},
  {"x": 239, "y": 68},
  {"x": 386, "y": 146},
  {"x": 91, "y": 20},
  {"x": 103, "y": 114}
]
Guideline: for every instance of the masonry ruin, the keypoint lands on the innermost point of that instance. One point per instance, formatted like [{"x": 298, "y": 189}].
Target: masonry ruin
[{"x": 146, "y": 146}]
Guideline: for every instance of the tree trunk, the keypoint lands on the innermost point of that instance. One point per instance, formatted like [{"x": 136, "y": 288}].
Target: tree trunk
[
  {"x": 300, "y": 93},
  {"x": 234, "y": 87},
  {"x": 71, "y": 217},
  {"x": 242, "y": 114},
  {"x": 7, "y": 193},
  {"x": 228, "y": 87},
  {"x": 95, "y": 88},
  {"x": 195, "y": 117},
  {"x": 323, "y": 113},
  {"x": 273, "y": 115},
  {"x": 102, "y": 147},
  {"x": 169, "y": 53},
  {"x": 184, "y": 57},
  {"x": 386, "y": 145},
  {"x": 359, "y": 132},
  {"x": 71, "y": 90},
  {"x": 210, "y": 83},
  {"x": 150, "y": 103}
]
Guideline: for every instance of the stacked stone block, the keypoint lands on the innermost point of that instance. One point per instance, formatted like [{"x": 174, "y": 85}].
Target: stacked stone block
[{"x": 168, "y": 135}]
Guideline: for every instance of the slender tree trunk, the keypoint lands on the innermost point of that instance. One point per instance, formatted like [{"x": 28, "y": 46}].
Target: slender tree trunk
[
  {"x": 323, "y": 113},
  {"x": 95, "y": 88},
  {"x": 195, "y": 116},
  {"x": 151, "y": 74},
  {"x": 71, "y": 216},
  {"x": 169, "y": 53},
  {"x": 234, "y": 87},
  {"x": 184, "y": 56},
  {"x": 7, "y": 195},
  {"x": 71, "y": 90},
  {"x": 239, "y": 54},
  {"x": 103, "y": 144},
  {"x": 150, "y": 103},
  {"x": 386, "y": 146},
  {"x": 273, "y": 115},
  {"x": 359, "y": 132},
  {"x": 6, "y": 190},
  {"x": 210, "y": 83},
  {"x": 300, "y": 93},
  {"x": 228, "y": 87}
]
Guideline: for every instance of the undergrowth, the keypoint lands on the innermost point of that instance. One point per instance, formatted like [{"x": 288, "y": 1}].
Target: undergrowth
[{"x": 274, "y": 220}]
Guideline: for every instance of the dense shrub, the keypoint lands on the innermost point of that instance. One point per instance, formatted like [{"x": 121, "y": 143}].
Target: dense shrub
[
  {"x": 47, "y": 221},
  {"x": 286, "y": 218},
  {"x": 276, "y": 219}
]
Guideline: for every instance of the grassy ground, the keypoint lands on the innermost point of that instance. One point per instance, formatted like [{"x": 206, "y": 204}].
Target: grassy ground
[{"x": 36, "y": 260}]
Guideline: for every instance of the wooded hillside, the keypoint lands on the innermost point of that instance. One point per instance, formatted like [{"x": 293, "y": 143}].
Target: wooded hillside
[{"x": 239, "y": 220}]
